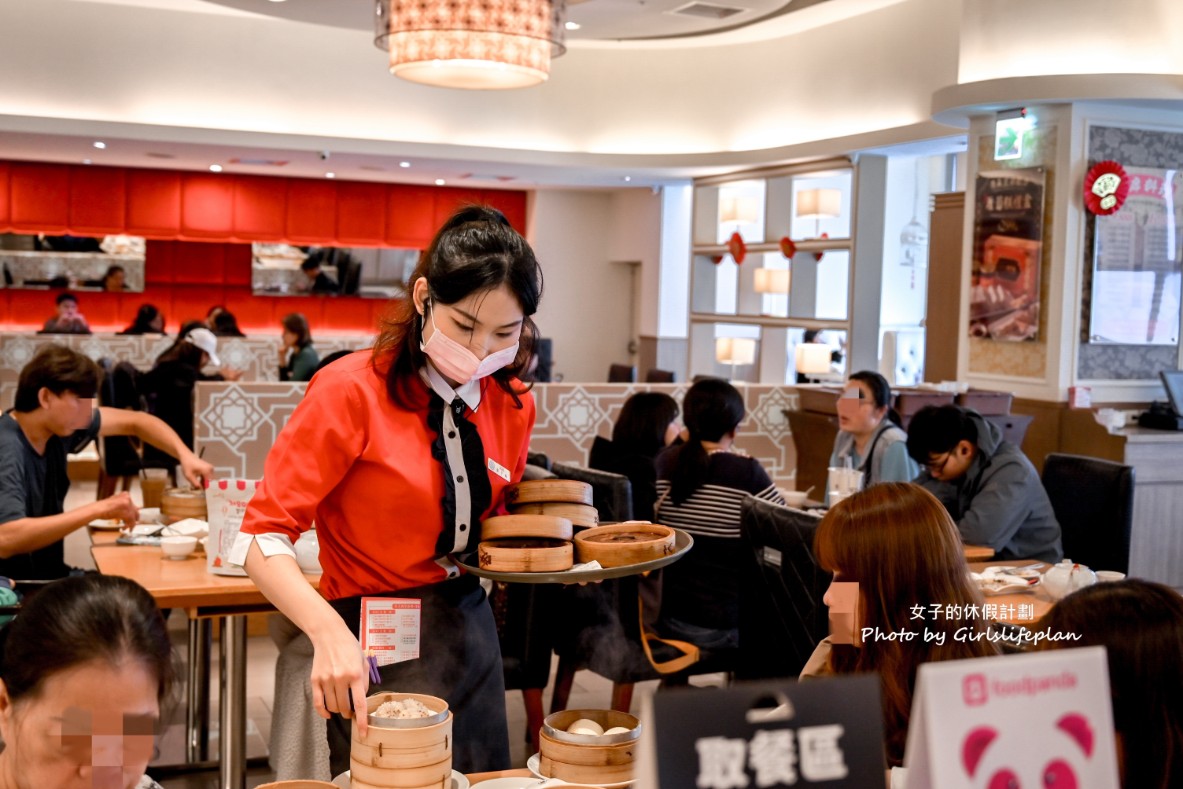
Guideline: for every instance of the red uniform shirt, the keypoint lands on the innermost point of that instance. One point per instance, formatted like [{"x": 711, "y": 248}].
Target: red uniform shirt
[{"x": 361, "y": 467}]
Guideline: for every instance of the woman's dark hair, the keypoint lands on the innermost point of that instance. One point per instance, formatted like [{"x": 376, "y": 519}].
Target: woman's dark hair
[
  {"x": 225, "y": 324},
  {"x": 65, "y": 296},
  {"x": 297, "y": 324},
  {"x": 1140, "y": 624},
  {"x": 84, "y": 619},
  {"x": 58, "y": 369},
  {"x": 711, "y": 409},
  {"x": 640, "y": 429},
  {"x": 112, "y": 271},
  {"x": 145, "y": 315},
  {"x": 474, "y": 252},
  {"x": 880, "y": 392},
  {"x": 184, "y": 351},
  {"x": 937, "y": 429}
]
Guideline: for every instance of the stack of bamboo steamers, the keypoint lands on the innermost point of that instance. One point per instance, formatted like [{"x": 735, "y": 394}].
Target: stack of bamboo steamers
[{"x": 540, "y": 535}]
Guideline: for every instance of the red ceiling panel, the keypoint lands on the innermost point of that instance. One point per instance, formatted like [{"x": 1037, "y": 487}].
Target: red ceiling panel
[
  {"x": 410, "y": 215},
  {"x": 98, "y": 200},
  {"x": 40, "y": 195},
  {"x": 154, "y": 203},
  {"x": 207, "y": 205},
  {"x": 311, "y": 212},
  {"x": 361, "y": 214},
  {"x": 260, "y": 206}
]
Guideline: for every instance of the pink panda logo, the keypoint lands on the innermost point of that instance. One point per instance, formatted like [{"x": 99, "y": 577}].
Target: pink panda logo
[{"x": 1055, "y": 774}]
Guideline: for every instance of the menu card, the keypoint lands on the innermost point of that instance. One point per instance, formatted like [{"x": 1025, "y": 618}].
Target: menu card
[
  {"x": 826, "y": 732},
  {"x": 1036, "y": 720}
]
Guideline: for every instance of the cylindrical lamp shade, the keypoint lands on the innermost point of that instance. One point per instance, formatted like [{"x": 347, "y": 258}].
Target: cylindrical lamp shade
[
  {"x": 474, "y": 44},
  {"x": 735, "y": 350},
  {"x": 737, "y": 208},
  {"x": 819, "y": 202},
  {"x": 770, "y": 280},
  {"x": 813, "y": 358}
]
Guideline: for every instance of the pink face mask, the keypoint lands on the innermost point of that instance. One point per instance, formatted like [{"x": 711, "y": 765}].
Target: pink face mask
[{"x": 459, "y": 364}]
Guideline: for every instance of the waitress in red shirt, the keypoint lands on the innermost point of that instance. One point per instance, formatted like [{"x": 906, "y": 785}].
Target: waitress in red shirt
[{"x": 397, "y": 454}]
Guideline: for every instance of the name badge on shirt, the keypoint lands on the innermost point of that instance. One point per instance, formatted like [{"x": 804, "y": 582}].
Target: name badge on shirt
[
  {"x": 499, "y": 469},
  {"x": 390, "y": 628}
]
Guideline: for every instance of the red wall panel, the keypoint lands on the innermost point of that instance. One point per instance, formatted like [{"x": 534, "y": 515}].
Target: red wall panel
[
  {"x": 207, "y": 206},
  {"x": 260, "y": 208},
  {"x": 448, "y": 200},
  {"x": 31, "y": 307},
  {"x": 5, "y": 203},
  {"x": 98, "y": 200},
  {"x": 361, "y": 214},
  {"x": 154, "y": 203},
  {"x": 347, "y": 314},
  {"x": 512, "y": 204},
  {"x": 199, "y": 264},
  {"x": 192, "y": 302},
  {"x": 311, "y": 211},
  {"x": 40, "y": 195},
  {"x": 237, "y": 268},
  {"x": 410, "y": 216}
]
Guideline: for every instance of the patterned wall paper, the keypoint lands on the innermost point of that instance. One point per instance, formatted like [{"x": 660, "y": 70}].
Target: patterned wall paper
[
  {"x": 1023, "y": 359},
  {"x": 1132, "y": 148},
  {"x": 237, "y": 423},
  {"x": 255, "y": 356}
]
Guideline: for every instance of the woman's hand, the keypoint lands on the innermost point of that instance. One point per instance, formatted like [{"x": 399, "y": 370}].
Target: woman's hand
[
  {"x": 196, "y": 471},
  {"x": 339, "y": 673},
  {"x": 230, "y": 374}
]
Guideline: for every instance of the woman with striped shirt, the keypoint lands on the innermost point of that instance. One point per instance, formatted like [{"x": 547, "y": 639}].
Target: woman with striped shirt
[{"x": 700, "y": 487}]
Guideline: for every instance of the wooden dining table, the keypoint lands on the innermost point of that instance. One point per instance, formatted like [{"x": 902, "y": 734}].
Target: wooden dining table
[{"x": 204, "y": 597}]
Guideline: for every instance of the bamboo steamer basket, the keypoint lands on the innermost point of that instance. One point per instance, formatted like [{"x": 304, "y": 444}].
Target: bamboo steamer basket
[
  {"x": 578, "y": 514},
  {"x": 298, "y": 785},
  {"x": 548, "y": 490},
  {"x": 403, "y": 753},
  {"x": 538, "y": 526},
  {"x": 519, "y": 555},
  {"x": 176, "y": 504},
  {"x": 584, "y": 759},
  {"x": 620, "y": 544}
]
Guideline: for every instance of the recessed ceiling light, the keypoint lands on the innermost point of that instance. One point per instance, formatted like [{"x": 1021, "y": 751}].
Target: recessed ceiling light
[
  {"x": 327, "y": 175},
  {"x": 440, "y": 182},
  {"x": 628, "y": 178},
  {"x": 215, "y": 168},
  {"x": 86, "y": 161},
  {"x": 100, "y": 144},
  {"x": 572, "y": 25},
  {"x": 404, "y": 164}
]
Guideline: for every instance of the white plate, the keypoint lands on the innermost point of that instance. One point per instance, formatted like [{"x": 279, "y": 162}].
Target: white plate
[
  {"x": 106, "y": 524},
  {"x": 459, "y": 781},
  {"x": 1006, "y": 579},
  {"x": 534, "y": 762}
]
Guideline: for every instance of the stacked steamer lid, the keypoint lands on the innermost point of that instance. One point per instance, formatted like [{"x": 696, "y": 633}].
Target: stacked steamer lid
[
  {"x": 408, "y": 744},
  {"x": 589, "y": 747},
  {"x": 536, "y": 538}
]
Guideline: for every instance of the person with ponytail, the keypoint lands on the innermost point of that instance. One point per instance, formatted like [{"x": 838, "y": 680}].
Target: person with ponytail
[
  {"x": 870, "y": 433},
  {"x": 700, "y": 486},
  {"x": 398, "y": 454}
]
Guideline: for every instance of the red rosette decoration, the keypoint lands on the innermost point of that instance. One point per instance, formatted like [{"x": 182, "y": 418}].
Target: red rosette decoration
[
  {"x": 819, "y": 255},
  {"x": 1105, "y": 187},
  {"x": 737, "y": 248},
  {"x": 787, "y": 247}
]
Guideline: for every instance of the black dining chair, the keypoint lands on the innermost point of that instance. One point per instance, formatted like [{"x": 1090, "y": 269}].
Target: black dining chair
[
  {"x": 119, "y": 456},
  {"x": 622, "y": 374},
  {"x": 1094, "y": 503},
  {"x": 656, "y": 376},
  {"x": 781, "y": 614}
]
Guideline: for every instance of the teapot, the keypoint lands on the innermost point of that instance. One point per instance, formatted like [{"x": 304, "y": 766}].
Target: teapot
[{"x": 1066, "y": 577}]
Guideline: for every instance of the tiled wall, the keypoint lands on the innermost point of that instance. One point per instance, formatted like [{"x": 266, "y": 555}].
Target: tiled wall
[{"x": 238, "y": 422}]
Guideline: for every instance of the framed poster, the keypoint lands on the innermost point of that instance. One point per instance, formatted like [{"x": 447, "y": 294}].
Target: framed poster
[
  {"x": 1138, "y": 263},
  {"x": 1008, "y": 249}
]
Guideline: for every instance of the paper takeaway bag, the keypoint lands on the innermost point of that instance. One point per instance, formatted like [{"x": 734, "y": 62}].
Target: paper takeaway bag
[
  {"x": 1038, "y": 720},
  {"x": 226, "y": 501}
]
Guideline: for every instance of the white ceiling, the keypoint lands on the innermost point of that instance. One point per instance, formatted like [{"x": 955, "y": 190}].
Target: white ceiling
[{"x": 292, "y": 88}]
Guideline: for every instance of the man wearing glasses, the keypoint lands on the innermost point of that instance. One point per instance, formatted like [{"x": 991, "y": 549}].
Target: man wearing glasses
[{"x": 988, "y": 485}]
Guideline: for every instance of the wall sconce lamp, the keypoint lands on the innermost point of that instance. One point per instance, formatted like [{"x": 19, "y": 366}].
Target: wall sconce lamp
[
  {"x": 818, "y": 203},
  {"x": 812, "y": 358},
  {"x": 735, "y": 351}
]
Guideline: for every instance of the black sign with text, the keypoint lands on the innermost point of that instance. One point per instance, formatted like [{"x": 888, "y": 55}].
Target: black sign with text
[{"x": 825, "y": 732}]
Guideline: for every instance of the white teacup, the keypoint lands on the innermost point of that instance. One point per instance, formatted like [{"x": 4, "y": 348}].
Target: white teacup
[
  {"x": 178, "y": 546},
  {"x": 1106, "y": 576},
  {"x": 794, "y": 498}
]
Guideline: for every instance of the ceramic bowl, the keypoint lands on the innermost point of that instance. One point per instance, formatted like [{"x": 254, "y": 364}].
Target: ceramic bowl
[
  {"x": 794, "y": 498},
  {"x": 1107, "y": 576},
  {"x": 178, "y": 547}
]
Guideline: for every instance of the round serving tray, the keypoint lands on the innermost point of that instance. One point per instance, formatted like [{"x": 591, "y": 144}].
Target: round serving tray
[{"x": 683, "y": 542}]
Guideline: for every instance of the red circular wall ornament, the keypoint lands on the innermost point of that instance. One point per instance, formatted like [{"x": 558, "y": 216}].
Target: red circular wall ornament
[
  {"x": 819, "y": 255},
  {"x": 737, "y": 248},
  {"x": 1105, "y": 187},
  {"x": 787, "y": 247}
]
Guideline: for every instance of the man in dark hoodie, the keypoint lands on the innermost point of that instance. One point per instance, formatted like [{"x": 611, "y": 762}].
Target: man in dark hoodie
[{"x": 988, "y": 485}]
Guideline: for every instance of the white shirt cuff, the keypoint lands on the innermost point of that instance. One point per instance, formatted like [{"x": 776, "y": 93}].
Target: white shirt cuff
[{"x": 271, "y": 544}]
